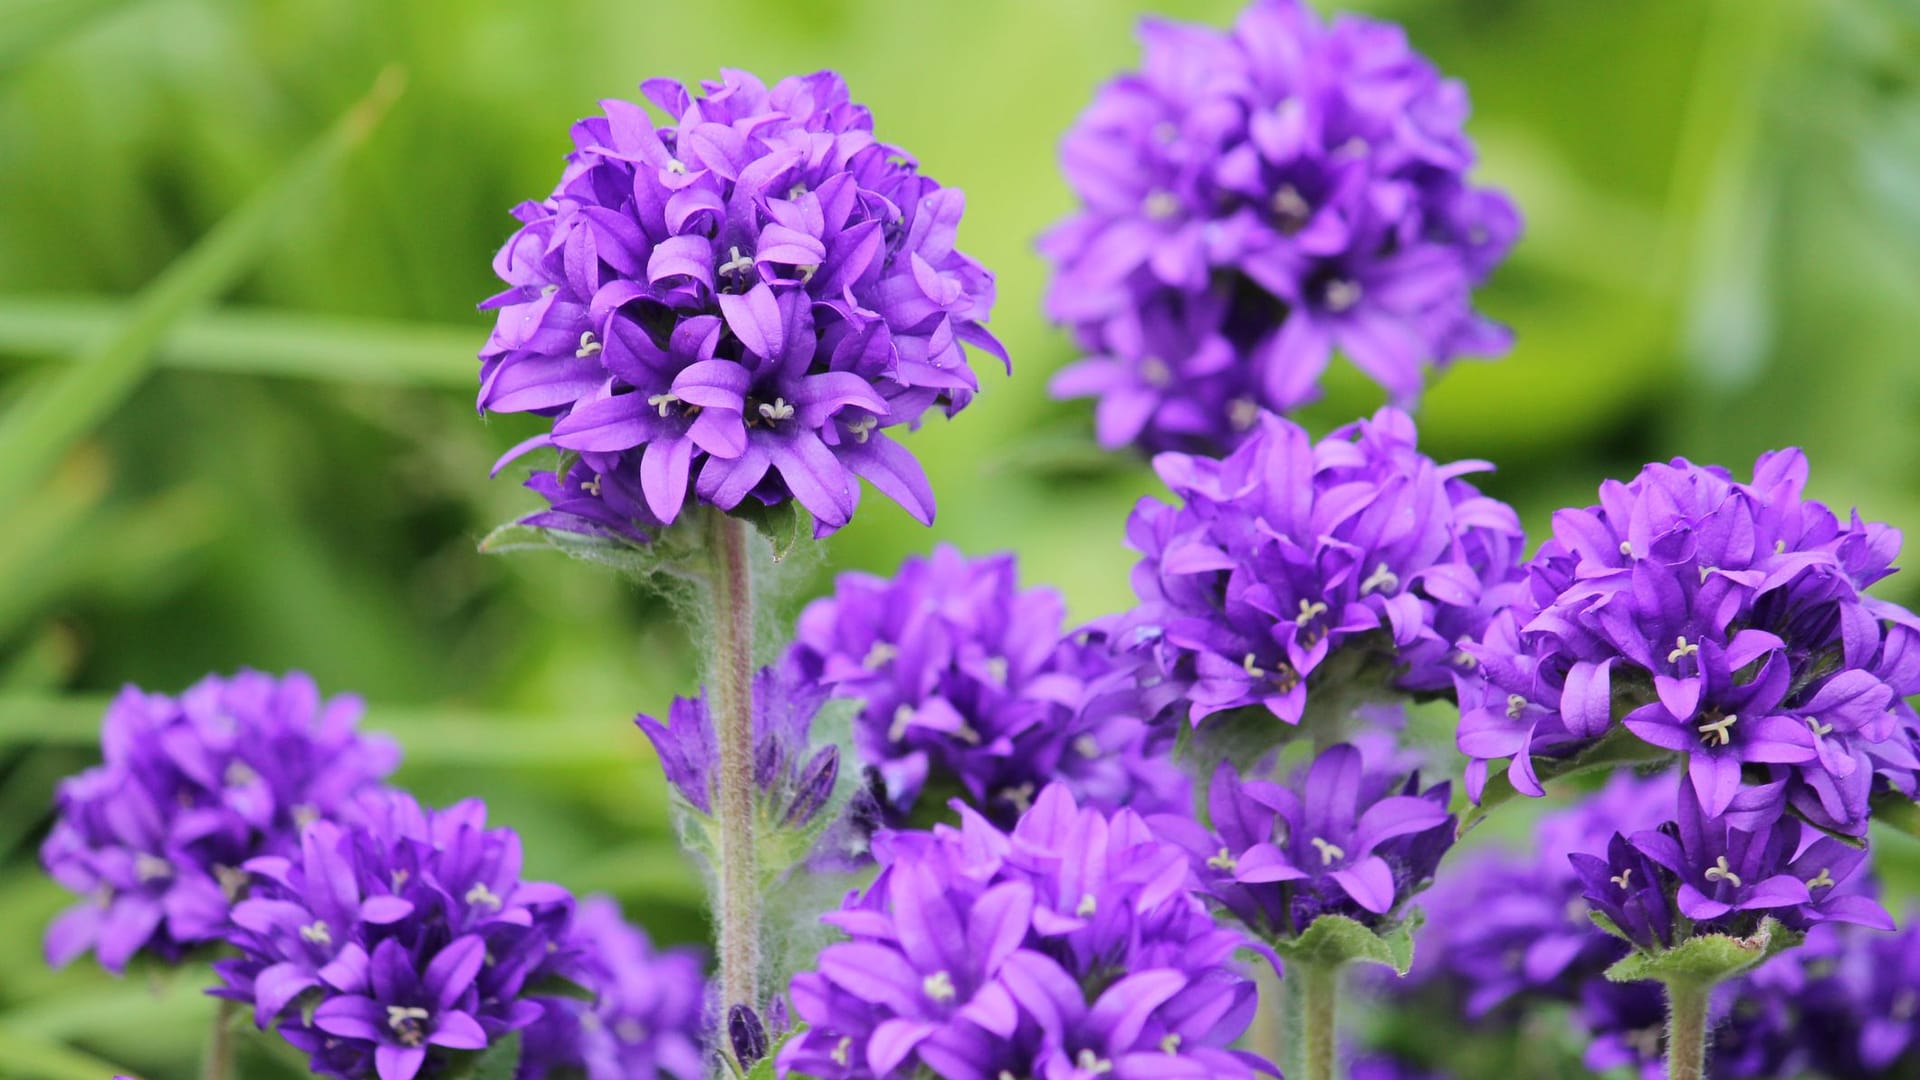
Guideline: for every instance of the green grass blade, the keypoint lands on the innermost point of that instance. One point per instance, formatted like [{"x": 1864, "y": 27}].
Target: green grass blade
[
  {"x": 59, "y": 410},
  {"x": 27, "y": 1058},
  {"x": 334, "y": 349},
  {"x": 27, "y": 26}
]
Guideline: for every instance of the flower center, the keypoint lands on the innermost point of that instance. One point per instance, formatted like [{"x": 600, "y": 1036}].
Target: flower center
[
  {"x": 1223, "y": 860},
  {"x": 1242, "y": 412},
  {"x": 1087, "y": 746},
  {"x": 939, "y": 986},
  {"x": 662, "y": 402},
  {"x": 736, "y": 263},
  {"x": 778, "y": 411},
  {"x": 588, "y": 346},
  {"x": 1329, "y": 853},
  {"x": 151, "y": 867},
  {"x": 1824, "y": 880},
  {"x": 481, "y": 895},
  {"x": 1161, "y": 205},
  {"x": 1622, "y": 877},
  {"x": 1819, "y": 728},
  {"x": 1020, "y": 797},
  {"x": 316, "y": 933},
  {"x": 1309, "y": 611},
  {"x": 240, "y": 774},
  {"x": 879, "y": 656},
  {"x": 1341, "y": 294},
  {"x": 841, "y": 1050},
  {"x": 1093, "y": 1063},
  {"x": 1088, "y": 906},
  {"x": 1291, "y": 208},
  {"x": 1720, "y": 871},
  {"x": 409, "y": 1024},
  {"x": 862, "y": 429},
  {"x": 233, "y": 882},
  {"x": 1515, "y": 706},
  {"x": 1382, "y": 579},
  {"x": 1718, "y": 730},
  {"x": 1171, "y": 1044},
  {"x": 1155, "y": 372},
  {"x": 1682, "y": 649}
]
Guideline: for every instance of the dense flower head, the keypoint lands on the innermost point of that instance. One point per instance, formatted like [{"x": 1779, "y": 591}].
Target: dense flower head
[
  {"x": 1289, "y": 553},
  {"x": 645, "y": 1020},
  {"x": 1506, "y": 927},
  {"x": 1388, "y": 1067},
  {"x": 967, "y": 685},
  {"x": 157, "y": 837},
  {"x": 1339, "y": 840},
  {"x": 1860, "y": 1005},
  {"x": 380, "y": 948},
  {"x": 1069, "y": 948},
  {"x": 1252, "y": 200},
  {"x": 1722, "y": 620},
  {"x": 795, "y": 780},
  {"x": 740, "y": 301}
]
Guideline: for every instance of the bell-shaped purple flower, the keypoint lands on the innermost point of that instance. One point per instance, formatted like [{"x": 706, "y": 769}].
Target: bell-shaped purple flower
[
  {"x": 192, "y": 788},
  {"x": 795, "y": 779},
  {"x": 384, "y": 947},
  {"x": 968, "y": 685},
  {"x": 1627, "y": 887},
  {"x": 645, "y": 1020},
  {"x": 1335, "y": 842},
  {"x": 1289, "y": 552},
  {"x": 1069, "y": 947},
  {"x": 735, "y": 304},
  {"x": 1254, "y": 199},
  {"x": 1723, "y": 620}
]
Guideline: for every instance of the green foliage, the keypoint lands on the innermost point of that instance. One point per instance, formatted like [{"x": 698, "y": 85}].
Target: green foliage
[
  {"x": 765, "y": 1068},
  {"x": 1334, "y": 941},
  {"x": 1704, "y": 960}
]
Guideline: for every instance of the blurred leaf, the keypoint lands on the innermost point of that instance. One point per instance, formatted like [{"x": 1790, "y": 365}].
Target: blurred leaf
[
  {"x": 27, "y": 26},
  {"x": 257, "y": 342},
  {"x": 27, "y": 1058},
  {"x": 38, "y": 429}
]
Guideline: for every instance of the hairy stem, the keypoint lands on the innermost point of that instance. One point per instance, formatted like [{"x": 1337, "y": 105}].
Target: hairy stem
[
  {"x": 1687, "y": 1030},
  {"x": 730, "y": 686},
  {"x": 216, "y": 1058},
  {"x": 1310, "y": 1022}
]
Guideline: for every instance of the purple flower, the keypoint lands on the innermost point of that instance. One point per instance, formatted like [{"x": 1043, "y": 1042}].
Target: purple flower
[
  {"x": 1386, "y": 1067},
  {"x": 1335, "y": 842},
  {"x": 192, "y": 788},
  {"x": 1627, "y": 887},
  {"x": 1723, "y": 620},
  {"x": 1728, "y": 876},
  {"x": 795, "y": 781},
  {"x": 967, "y": 686},
  {"x": 1070, "y": 947},
  {"x": 1288, "y": 552},
  {"x": 735, "y": 304},
  {"x": 1252, "y": 200},
  {"x": 1861, "y": 1009},
  {"x": 645, "y": 1021},
  {"x": 382, "y": 947}
]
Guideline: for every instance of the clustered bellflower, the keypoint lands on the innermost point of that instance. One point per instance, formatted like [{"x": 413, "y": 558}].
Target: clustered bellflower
[
  {"x": 794, "y": 780},
  {"x": 1068, "y": 947},
  {"x": 1729, "y": 622},
  {"x": 158, "y": 837},
  {"x": 1289, "y": 554},
  {"x": 1251, "y": 201},
  {"x": 967, "y": 685},
  {"x": 1340, "y": 840},
  {"x": 738, "y": 302},
  {"x": 378, "y": 949},
  {"x": 645, "y": 1020}
]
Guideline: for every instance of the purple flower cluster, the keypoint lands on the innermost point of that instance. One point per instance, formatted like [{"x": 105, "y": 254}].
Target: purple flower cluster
[
  {"x": 1070, "y": 947},
  {"x": 967, "y": 686},
  {"x": 795, "y": 781},
  {"x": 1252, "y": 200},
  {"x": 1341, "y": 840},
  {"x": 740, "y": 301},
  {"x": 193, "y": 787},
  {"x": 1721, "y": 620},
  {"x": 645, "y": 1021},
  {"x": 1288, "y": 552},
  {"x": 380, "y": 948}
]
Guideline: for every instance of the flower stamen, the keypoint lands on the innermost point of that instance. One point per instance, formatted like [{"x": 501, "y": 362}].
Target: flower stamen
[
  {"x": 1720, "y": 871},
  {"x": 1329, "y": 853},
  {"x": 1718, "y": 732}
]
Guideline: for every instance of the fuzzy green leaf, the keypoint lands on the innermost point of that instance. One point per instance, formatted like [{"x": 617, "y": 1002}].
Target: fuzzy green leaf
[
  {"x": 1707, "y": 960},
  {"x": 501, "y": 1061},
  {"x": 766, "y": 1068},
  {"x": 1896, "y": 811},
  {"x": 1335, "y": 941},
  {"x": 1618, "y": 748}
]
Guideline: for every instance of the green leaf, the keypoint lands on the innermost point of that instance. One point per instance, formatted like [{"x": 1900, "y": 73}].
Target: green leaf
[
  {"x": 553, "y": 986},
  {"x": 499, "y": 1061},
  {"x": 1896, "y": 811},
  {"x": 25, "y": 1056},
  {"x": 1335, "y": 941},
  {"x": 765, "y": 1068},
  {"x": 786, "y": 525},
  {"x": 1709, "y": 959},
  {"x": 56, "y": 412}
]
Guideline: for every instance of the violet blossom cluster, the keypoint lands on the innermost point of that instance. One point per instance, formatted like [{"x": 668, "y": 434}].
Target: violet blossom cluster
[
  {"x": 739, "y": 302},
  {"x": 793, "y": 779},
  {"x": 1721, "y": 620},
  {"x": 1340, "y": 839},
  {"x": 387, "y": 948},
  {"x": 1069, "y": 946},
  {"x": 1252, "y": 200},
  {"x": 967, "y": 685},
  {"x": 1289, "y": 554},
  {"x": 159, "y": 836},
  {"x": 645, "y": 1020}
]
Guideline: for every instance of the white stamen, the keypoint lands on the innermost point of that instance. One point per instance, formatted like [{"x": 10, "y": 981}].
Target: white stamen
[
  {"x": 480, "y": 894},
  {"x": 902, "y": 720},
  {"x": 588, "y": 346},
  {"x": 1720, "y": 871},
  {"x": 549, "y": 290},
  {"x": 862, "y": 429},
  {"x": 1683, "y": 648},
  {"x": 1019, "y": 796},
  {"x": 1088, "y": 906},
  {"x": 1329, "y": 853},
  {"x": 939, "y": 986},
  {"x": 1161, "y": 205},
  {"x": 997, "y": 669},
  {"x": 1819, "y": 728},
  {"x": 1824, "y": 880},
  {"x": 409, "y": 1023},
  {"x": 841, "y": 1050},
  {"x": 1252, "y": 669},
  {"x": 1223, "y": 860},
  {"x": 1155, "y": 372},
  {"x": 1622, "y": 877},
  {"x": 1242, "y": 413},
  {"x": 1171, "y": 1044},
  {"x": 879, "y": 656},
  {"x": 1309, "y": 611},
  {"x": 1093, "y": 1063},
  {"x": 317, "y": 933},
  {"x": 1342, "y": 294},
  {"x": 736, "y": 263},
  {"x": 1515, "y": 706},
  {"x": 1087, "y": 746},
  {"x": 305, "y": 814},
  {"x": 240, "y": 774},
  {"x": 151, "y": 867},
  {"x": 778, "y": 411},
  {"x": 1717, "y": 732},
  {"x": 591, "y": 487},
  {"x": 662, "y": 402},
  {"x": 1382, "y": 579},
  {"x": 1626, "y": 548}
]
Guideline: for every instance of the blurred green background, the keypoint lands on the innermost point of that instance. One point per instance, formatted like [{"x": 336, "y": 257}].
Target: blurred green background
[{"x": 1722, "y": 256}]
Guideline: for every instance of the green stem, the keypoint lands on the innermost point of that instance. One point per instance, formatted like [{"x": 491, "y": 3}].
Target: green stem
[
  {"x": 1687, "y": 1030},
  {"x": 730, "y": 686},
  {"x": 1310, "y": 1020},
  {"x": 216, "y": 1058}
]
